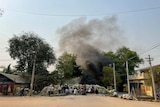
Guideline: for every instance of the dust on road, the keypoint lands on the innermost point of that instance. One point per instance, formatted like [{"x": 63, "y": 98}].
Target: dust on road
[{"x": 72, "y": 101}]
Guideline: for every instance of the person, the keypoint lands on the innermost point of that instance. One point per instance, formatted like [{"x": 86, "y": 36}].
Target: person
[
  {"x": 96, "y": 91},
  {"x": 70, "y": 90},
  {"x": 75, "y": 91},
  {"x": 115, "y": 94},
  {"x": 92, "y": 89},
  {"x": 22, "y": 92},
  {"x": 66, "y": 91},
  {"x": 83, "y": 91},
  {"x": 49, "y": 89},
  {"x": 59, "y": 89},
  {"x": 158, "y": 94}
]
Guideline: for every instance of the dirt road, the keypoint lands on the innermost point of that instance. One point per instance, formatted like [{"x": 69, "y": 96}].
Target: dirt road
[{"x": 73, "y": 101}]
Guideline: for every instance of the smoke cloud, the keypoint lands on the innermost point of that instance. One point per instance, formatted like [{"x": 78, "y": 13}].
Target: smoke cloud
[{"x": 87, "y": 39}]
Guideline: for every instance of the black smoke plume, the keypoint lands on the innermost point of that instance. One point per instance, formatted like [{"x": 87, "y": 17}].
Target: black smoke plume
[{"x": 87, "y": 39}]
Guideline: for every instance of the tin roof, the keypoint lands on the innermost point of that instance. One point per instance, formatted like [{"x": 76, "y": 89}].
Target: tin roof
[
  {"x": 147, "y": 68},
  {"x": 15, "y": 78}
]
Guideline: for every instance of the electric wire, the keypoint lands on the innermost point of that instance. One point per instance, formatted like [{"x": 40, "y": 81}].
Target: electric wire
[
  {"x": 73, "y": 15},
  {"x": 153, "y": 47},
  {"x": 120, "y": 12}
]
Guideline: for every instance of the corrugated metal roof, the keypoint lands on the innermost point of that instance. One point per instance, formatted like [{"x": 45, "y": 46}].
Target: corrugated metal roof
[
  {"x": 146, "y": 68},
  {"x": 15, "y": 78}
]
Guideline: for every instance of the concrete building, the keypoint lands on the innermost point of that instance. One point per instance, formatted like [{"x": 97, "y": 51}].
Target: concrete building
[{"x": 141, "y": 81}]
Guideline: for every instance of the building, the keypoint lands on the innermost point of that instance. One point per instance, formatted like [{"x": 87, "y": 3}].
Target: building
[
  {"x": 10, "y": 83},
  {"x": 141, "y": 81}
]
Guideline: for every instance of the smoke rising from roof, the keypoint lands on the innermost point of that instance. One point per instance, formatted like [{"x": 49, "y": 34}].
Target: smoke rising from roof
[{"x": 88, "y": 38}]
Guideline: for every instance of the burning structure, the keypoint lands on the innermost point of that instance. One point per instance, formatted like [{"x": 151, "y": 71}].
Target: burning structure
[{"x": 87, "y": 40}]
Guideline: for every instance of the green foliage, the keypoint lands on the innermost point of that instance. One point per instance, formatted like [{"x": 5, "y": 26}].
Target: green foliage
[
  {"x": 156, "y": 73},
  {"x": 108, "y": 78},
  {"x": 120, "y": 57},
  {"x": 40, "y": 80},
  {"x": 53, "y": 78},
  {"x": 28, "y": 48},
  {"x": 25, "y": 47},
  {"x": 67, "y": 67},
  {"x": 8, "y": 69}
]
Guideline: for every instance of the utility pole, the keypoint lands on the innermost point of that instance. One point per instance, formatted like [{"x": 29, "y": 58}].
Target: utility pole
[
  {"x": 152, "y": 76},
  {"x": 114, "y": 74},
  {"x": 127, "y": 70},
  {"x": 33, "y": 73}
]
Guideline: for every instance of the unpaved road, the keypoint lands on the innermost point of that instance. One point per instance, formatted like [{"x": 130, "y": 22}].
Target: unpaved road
[{"x": 73, "y": 101}]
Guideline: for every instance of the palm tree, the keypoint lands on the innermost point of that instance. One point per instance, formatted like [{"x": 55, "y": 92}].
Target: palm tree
[{"x": 8, "y": 70}]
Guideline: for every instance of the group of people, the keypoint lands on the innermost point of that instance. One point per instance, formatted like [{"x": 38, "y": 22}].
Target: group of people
[
  {"x": 77, "y": 90},
  {"x": 68, "y": 90},
  {"x": 65, "y": 89}
]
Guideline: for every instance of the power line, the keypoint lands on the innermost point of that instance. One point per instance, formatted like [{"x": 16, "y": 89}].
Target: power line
[
  {"x": 157, "y": 55},
  {"x": 153, "y": 47},
  {"x": 73, "y": 15},
  {"x": 138, "y": 10}
]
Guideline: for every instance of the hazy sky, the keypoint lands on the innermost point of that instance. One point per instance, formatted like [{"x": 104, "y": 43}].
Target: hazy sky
[{"x": 139, "y": 21}]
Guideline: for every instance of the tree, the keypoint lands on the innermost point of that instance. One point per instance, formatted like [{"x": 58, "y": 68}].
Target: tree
[
  {"x": 8, "y": 69},
  {"x": 54, "y": 77},
  {"x": 120, "y": 57},
  {"x": 123, "y": 54},
  {"x": 25, "y": 47},
  {"x": 108, "y": 78},
  {"x": 67, "y": 67},
  {"x": 28, "y": 48},
  {"x": 156, "y": 73}
]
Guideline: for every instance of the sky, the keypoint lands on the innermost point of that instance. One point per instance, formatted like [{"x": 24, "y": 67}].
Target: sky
[{"x": 139, "y": 21}]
